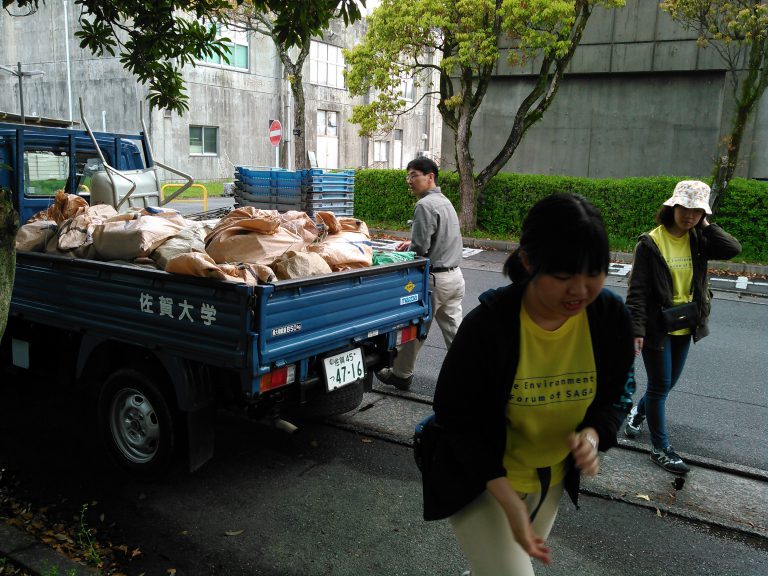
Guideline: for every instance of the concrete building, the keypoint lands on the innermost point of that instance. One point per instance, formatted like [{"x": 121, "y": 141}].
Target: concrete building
[
  {"x": 231, "y": 102},
  {"x": 641, "y": 99}
]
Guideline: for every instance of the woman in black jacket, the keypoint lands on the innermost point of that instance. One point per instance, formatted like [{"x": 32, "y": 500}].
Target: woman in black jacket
[
  {"x": 538, "y": 379},
  {"x": 670, "y": 269}
]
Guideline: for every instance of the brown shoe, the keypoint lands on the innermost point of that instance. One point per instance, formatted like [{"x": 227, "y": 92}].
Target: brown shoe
[{"x": 386, "y": 376}]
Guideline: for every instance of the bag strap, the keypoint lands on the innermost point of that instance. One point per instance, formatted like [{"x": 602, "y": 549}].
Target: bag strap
[{"x": 545, "y": 477}]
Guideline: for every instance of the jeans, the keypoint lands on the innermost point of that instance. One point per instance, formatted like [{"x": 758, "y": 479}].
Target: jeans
[{"x": 663, "y": 368}]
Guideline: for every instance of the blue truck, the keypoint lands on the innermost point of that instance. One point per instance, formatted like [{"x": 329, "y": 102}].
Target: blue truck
[{"x": 156, "y": 354}]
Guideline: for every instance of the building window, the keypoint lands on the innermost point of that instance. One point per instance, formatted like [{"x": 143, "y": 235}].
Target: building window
[
  {"x": 203, "y": 141},
  {"x": 237, "y": 48},
  {"x": 327, "y": 123},
  {"x": 380, "y": 151},
  {"x": 326, "y": 65},
  {"x": 406, "y": 89}
]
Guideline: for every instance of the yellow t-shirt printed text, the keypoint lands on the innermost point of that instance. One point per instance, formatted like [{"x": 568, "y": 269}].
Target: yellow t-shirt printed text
[{"x": 555, "y": 383}]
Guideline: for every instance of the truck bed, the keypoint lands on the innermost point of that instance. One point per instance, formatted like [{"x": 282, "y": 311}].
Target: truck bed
[{"x": 231, "y": 325}]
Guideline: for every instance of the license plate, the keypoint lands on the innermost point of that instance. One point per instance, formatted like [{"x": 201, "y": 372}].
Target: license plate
[{"x": 344, "y": 368}]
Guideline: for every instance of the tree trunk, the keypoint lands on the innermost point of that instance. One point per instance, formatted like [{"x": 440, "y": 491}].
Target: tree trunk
[
  {"x": 9, "y": 224},
  {"x": 465, "y": 166},
  {"x": 299, "y": 122},
  {"x": 723, "y": 170}
]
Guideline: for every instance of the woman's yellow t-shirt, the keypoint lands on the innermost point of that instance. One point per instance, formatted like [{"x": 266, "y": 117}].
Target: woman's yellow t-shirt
[
  {"x": 677, "y": 254},
  {"x": 554, "y": 385}
]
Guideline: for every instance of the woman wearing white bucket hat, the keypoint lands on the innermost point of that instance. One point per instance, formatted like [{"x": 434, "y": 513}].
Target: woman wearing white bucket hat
[{"x": 670, "y": 270}]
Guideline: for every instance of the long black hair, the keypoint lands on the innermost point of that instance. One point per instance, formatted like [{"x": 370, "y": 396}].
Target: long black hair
[{"x": 562, "y": 233}]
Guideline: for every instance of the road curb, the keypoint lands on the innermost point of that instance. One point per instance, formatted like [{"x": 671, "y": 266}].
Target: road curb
[
  {"x": 36, "y": 557},
  {"x": 624, "y": 257},
  {"x": 626, "y": 475}
]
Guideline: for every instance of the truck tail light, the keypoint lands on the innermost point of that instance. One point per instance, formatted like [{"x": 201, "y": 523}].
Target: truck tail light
[
  {"x": 406, "y": 335},
  {"x": 277, "y": 378}
]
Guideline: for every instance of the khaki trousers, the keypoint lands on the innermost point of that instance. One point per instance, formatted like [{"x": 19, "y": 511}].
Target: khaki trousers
[
  {"x": 447, "y": 293},
  {"x": 485, "y": 537}
]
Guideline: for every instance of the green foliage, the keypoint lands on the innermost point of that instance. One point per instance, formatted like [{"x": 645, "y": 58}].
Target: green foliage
[
  {"x": 382, "y": 196},
  {"x": 86, "y": 539},
  {"x": 628, "y": 205},
  {"x": 156, "y": 39},
  {"x": 744, "y": 213}
]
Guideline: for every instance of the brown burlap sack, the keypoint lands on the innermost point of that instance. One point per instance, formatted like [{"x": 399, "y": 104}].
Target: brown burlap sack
[
  {"x": 191, "y": 239},
  {"x": 33, "y": 236},
  {"x": 349, "y": 224},
  {"x": 118, "y": 239},
  {"x": 252, "y": 236},
  {"x": 65, "y": 206},
  {"x": 200, "y": 264},
  {"x": 332, "y": 224},
  {"x": 300, "y": 265},
  {"x": 78, "y": 231},
  {"x": 301, "y": 224},
  {"x": 345, "y": 251}
]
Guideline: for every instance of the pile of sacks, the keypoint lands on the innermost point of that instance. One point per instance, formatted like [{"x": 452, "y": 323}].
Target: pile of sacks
[{"x": 248, "y": 245}]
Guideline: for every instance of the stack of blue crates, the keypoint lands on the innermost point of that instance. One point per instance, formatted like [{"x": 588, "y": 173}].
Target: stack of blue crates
[
  {"x": 310, "y": 190},
  {"x": 329, "y": 191},
  {"x": 269, "y": 188}
]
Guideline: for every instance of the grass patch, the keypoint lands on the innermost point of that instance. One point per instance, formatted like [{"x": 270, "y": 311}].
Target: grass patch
[{"x": 214, "y": 189}]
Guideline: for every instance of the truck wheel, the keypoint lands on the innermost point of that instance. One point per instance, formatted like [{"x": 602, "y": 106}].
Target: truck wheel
[
  {"x": 337, "y": 402},
  {"x": 136, "y": 422}
]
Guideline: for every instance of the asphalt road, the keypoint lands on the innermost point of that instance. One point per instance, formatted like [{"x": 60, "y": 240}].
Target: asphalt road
[
  {"x": 325, "y": 502},
  {"x": 336, "y": 502},
  {"x": 719, "y": 408}
]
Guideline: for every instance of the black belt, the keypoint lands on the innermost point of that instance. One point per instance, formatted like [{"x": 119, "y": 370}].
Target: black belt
[{"x": 441, "y": 269}]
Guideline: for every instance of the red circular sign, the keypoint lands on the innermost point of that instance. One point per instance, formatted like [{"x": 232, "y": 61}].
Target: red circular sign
[{"x": 275, "y": 132}]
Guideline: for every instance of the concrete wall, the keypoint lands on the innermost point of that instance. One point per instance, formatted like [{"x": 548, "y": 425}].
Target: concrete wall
[
  {"x": 239, "y": 102},
  {"x": 641, "y": 99}
]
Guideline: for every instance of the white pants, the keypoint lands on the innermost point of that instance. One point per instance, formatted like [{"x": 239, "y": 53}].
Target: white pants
[
  {"x": 447, "y": 293},
  {"x": 485, "y": 537}
]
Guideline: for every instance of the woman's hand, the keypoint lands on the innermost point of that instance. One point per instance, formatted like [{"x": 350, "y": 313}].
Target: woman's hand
[
  {"x": 519, "y": 520},
  {"x": 638, "y": 345},
  {"x": 584, "y": 450}
]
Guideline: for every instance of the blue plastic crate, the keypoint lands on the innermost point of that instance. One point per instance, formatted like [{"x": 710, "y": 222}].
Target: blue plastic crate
[
  {"x": 330, "y": 195},
  {"x": 322, "y": 188}
]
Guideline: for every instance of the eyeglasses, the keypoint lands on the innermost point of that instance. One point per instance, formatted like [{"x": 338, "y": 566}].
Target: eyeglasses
[{"x": 409, "y": 177}]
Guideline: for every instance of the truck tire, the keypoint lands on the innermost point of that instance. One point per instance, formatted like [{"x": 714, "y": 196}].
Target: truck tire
[
  {"x": 136, "y": 422},
  {"x": 339, "y": 401}
]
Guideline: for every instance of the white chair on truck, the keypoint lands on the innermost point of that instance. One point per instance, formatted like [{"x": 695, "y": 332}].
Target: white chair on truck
[{"x": 124, "y": 189}]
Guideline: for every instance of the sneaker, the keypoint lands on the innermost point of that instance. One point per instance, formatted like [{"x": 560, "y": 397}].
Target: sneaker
[
  {"x": 388, "y": 377},
  {"x": 634, "y": 424},
  {"x": 669, "y": 460}
]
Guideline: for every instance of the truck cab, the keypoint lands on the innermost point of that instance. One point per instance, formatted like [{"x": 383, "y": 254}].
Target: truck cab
[{"x": 55, "y": 159}]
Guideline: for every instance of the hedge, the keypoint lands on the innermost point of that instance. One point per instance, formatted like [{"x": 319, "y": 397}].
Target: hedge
[{"x": 628, "y": 205}]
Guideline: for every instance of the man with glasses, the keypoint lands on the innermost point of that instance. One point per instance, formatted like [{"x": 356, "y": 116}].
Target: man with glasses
[{"x": 435, "y": 234}]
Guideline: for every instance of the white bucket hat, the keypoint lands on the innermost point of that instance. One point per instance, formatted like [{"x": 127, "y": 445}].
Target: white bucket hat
[{"x": 691, "y": 194}]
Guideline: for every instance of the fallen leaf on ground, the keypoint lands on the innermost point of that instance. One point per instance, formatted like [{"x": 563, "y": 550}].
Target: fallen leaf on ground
[
  {"x": 644, "y": 497},
  {"x": 234, "y": 532},
  {"x": 366, "y": 440}
]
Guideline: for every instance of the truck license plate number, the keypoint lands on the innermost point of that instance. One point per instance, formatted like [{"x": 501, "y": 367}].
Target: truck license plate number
[{"x": 344, "y": 368}]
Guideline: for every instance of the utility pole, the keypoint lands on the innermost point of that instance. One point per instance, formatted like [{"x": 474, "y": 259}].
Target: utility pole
[{"x": 20, "y": 75}]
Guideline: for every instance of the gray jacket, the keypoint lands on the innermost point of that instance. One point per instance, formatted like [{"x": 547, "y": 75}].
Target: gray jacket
[{"x": 435, "y": 232}]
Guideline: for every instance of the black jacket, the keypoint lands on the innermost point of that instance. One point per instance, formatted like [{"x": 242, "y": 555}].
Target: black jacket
[
  {"x": 650, "y": 282},
  {"x": 474, "y": 387}
]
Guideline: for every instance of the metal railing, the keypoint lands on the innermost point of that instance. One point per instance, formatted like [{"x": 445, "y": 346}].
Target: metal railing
[{"x": 203, "y": 188}]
